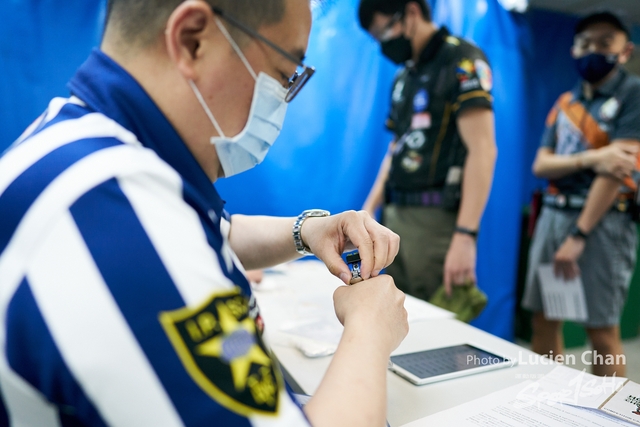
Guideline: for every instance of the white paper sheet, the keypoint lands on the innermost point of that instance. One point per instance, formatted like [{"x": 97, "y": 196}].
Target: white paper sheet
[
  {"x": 562, "y": 299},
  {"x": 508, "y": 408},
  {"x": 573, "y": 387}
]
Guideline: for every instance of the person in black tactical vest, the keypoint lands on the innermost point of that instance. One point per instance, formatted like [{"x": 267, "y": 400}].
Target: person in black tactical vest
[{"x": 434, "y": 182}]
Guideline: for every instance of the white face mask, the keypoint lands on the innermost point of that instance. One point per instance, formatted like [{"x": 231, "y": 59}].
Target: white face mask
[{"x": 268, "y": 109}]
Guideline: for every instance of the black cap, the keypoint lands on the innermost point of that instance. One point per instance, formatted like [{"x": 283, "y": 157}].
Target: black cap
[{"x": 602, "y": 17}]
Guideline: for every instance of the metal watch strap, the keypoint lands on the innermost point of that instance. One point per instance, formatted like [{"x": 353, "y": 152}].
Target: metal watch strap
[{"x": 297, "y": 229}]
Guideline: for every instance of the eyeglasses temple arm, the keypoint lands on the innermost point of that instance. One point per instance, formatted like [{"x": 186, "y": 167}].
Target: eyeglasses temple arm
[{"x": 253, "y": 33}]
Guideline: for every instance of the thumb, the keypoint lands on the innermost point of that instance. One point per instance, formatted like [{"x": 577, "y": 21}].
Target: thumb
[{"x": 336, "y": 266}]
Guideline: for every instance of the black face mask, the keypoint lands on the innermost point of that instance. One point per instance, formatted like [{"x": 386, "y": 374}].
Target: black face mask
[
  {"x": 595, "y": 66},
  {"x": 398, "y": 50}
]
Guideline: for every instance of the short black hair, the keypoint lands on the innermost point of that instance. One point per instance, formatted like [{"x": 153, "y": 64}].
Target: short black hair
[
  {"x": 602, "y": 17},
  {"x": 368, "y": 8},
  {"x": 141, "y": 21}
]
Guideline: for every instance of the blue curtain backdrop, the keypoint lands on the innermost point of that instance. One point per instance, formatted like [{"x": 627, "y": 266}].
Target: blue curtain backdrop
[
  {"x": 334, "y": 138},
  {"x": 42, "y": 43}
]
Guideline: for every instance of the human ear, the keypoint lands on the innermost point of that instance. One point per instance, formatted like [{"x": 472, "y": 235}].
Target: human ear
[
  {"x": 412, "y": 13},
  {"x": 574, "y": 52},
  {"x": 184, "y": 33},
  {"x": 625, "y": 56}
]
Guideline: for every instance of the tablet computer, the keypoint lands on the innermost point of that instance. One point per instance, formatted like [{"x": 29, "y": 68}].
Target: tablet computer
[{"x": 445, "y": 363}]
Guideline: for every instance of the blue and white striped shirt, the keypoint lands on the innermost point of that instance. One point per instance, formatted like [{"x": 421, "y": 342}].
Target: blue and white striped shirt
[{"x": 121, "y": 301}]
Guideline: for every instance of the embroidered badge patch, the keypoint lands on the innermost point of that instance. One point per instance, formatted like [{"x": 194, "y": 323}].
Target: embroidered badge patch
[
  {"x": 483, "y": 71},
  {"x": 415, "y": 140},
  {"x": 465, "y": 70},
  {"x": 421, "y": 121},
  {"x": 398, "y": 90},
  {"x": 412, "y": 162},
  {"x": 610, "y": 109},
  {"x": 220, "y": 348},
  {"x": 421, "y": 101},
  {"x": 453, "y": 40}
]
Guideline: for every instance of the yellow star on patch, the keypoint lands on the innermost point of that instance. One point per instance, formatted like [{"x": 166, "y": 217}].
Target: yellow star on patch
[{"x": 237, "y": 346}]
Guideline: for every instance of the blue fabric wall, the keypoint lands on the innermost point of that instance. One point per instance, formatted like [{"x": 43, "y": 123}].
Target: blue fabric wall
[
  {"x": 334, "y": 138},
  {"x": 42, "y": 43}
]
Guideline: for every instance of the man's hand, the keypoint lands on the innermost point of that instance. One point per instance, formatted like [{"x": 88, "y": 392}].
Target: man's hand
[
  {"x": 329, "y": 237},
  {"x": 460, "y": 264},
  {"x": 566, "y": 259},
  {"x": 376, "y": 306},
  {"x": 617, "y": 159}
]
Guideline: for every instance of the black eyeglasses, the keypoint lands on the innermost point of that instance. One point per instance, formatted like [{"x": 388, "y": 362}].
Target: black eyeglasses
[{"x": 298, "y": 80}]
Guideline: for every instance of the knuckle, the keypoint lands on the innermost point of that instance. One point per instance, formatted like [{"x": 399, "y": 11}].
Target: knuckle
[{"x": 352, "y": 214}]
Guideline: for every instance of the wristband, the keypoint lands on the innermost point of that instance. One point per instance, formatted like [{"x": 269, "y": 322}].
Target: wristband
[
  {"x": 576, "y": 232},
  {"x": 467, "y": 231}
]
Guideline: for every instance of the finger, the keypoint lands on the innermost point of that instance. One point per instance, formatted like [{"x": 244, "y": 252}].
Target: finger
[
  {"x": 574, "y": 270},
  {"x": 557, "y": 268},
  {"x": 630, "y": 147},
  {"x": 566, "y": 271},
  {"x": 335, "y": 264},
  {"x": 380, "y": 239},
  {"x": 471, "y": 278},
  {"x": 394, "y": 248},
  {"x": 354, "y": 229},
  {"x": 577, "y": 269},
  {"x": 459, "y": 277},
  {"x": 447, "y": 282}
]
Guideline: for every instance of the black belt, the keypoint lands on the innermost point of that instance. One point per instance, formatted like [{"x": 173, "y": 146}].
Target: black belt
[
  {"x": 414, "y": 198},
  {"x": 576, "y": 202}
]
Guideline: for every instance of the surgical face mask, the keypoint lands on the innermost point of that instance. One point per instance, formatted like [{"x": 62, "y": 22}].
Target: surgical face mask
[
  {"x": 595, "y": 66},
  {"x": 398, "y": 50},
  {"x": 266, "y": 116}
]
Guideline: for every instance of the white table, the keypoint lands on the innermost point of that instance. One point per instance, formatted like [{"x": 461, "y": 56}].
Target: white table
[{"x": 303, "y": 290}]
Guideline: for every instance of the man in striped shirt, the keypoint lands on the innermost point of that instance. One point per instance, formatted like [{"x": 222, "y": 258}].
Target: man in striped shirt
[{"x": 122, "y": 295}]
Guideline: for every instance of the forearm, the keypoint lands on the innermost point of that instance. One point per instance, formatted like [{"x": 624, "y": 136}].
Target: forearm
[
  {"x": 476, "y": 185},
  {"x": 549, "y": 165},
  {"x": 262, "y": 241},
  {"x": 476, "y": 127},
  {"x": 353, "y": 391},
  {"x": 602, "y": 195}
]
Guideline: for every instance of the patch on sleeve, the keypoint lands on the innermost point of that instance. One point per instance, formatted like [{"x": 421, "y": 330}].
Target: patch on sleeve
[
  {"x": 453, "y": 40},
  {"x": 220, "y": 348},
  {"x": 465, "y": 70},
  {"x": 483, "y": 72}
]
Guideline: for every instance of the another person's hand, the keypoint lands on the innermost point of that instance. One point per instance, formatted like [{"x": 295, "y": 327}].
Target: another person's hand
[
  {"x": 376, "y": 307},
  {"x": 617, "y": 159},
  {"x": 255, "y": 276},
  {"x": 460, "y": 263},
  {"x": 566, "y": 258},
  {"x": 329, "y": 237}
]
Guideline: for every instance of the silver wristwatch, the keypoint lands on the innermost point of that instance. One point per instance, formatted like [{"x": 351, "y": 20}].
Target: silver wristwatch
[{"x": 297, "y": 229}]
